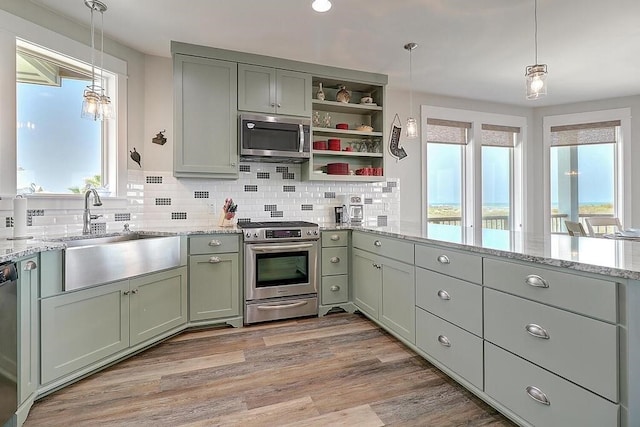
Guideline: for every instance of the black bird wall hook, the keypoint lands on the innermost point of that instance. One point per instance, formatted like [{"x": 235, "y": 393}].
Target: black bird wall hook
[{"x": 135, "y": 156}]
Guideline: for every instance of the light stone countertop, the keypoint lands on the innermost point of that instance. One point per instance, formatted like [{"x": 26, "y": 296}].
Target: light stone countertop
[{"x": 609, "y": 257}]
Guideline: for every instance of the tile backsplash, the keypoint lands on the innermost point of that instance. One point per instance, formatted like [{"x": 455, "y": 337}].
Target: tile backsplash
[{"x": 264, "y": 192}]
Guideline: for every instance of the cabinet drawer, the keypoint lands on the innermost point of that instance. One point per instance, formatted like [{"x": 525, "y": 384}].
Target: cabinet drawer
[
  {"x": 592, "y": 297},
  {"x": 455, "y": 348},
  {"x": 214, "y": 243},
  {"x": 457, "y": 264},
  {"x": 335, "y": 238},
  {"x": 335, "y": 289},
  {"x": 507, "y": 378},
  {"x": 454, "y": 300},
  {"x": 335, "y": 261},
  {"x": 578, "y": 348},
  {"x": 385, "y": 246}
]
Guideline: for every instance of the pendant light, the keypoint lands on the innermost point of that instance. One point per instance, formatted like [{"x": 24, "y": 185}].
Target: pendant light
[
  {"x": 321, "y": 5},
  {"x": 96, "y": 105},
  {"x": 536, "y": 75},
  {"x": 412, "y": 124}
]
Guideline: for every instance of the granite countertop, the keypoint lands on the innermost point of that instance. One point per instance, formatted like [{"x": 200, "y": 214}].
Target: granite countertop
[{"x": 610, "y": 257}]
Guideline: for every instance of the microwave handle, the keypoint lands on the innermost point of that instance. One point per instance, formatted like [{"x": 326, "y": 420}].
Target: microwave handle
[{"x": 301, "y": 133}]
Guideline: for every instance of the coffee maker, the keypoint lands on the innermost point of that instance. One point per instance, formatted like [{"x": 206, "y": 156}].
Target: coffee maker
[{"x": 353, "y": 209}]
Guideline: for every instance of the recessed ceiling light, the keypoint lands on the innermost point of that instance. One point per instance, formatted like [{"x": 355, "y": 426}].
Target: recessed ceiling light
[{"x": 321, "y": 5}]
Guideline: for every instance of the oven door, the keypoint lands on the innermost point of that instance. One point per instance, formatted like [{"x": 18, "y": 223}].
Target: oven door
[{"x": 280, "y": 269}]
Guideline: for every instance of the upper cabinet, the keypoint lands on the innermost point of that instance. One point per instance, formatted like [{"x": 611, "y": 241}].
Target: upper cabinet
[
  {"x": 206, "y": 124},
  {"x": 272, "y": 90}
]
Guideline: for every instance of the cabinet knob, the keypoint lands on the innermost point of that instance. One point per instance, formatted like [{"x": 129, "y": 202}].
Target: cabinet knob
[
  {"x": 273, "y": 104},
  {"x": 444, "y": 295},
  {"x": 335, "y": 237},
  {"x": 536, "y": 394},
  {"x": 279, "y": 105},
  {"x": 377, "y": 265},
  {"x": 30, "y": 265},
  {"x": 443, "y": 259},
  {"x": 334, "y": 288},
  {"x": 215, "y": 243},
  {"x": 335, "y": 259},
  {"x": 537, "y": 331},
  {"x": 134, "y": 291},
  {"x": 214, "y": 260},
  {"x": 125, "y": 293},
  {"x": 444, "y": 341},
  {"x": 536, "y": 281},
  {"x": 233, "y": 163},
  {"x": 377, "y": 243}
]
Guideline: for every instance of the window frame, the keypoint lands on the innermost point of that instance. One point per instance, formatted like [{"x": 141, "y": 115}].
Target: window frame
[
  {"x": 12, "y": 30},
  {"x": 472, "y": 169},
  {"x": 622, "y": 182}
]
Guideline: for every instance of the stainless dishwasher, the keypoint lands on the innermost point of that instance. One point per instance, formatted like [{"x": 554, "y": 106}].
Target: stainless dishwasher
[{"x": 8, "y": 341}]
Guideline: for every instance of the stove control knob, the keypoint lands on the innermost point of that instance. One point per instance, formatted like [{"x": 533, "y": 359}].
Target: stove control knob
[
  {"x": 248, "y": 235},
  {"x": 255, "y": 235},
  {"x": 315, "y": 232},
  {"x": 308, "y": 233}
]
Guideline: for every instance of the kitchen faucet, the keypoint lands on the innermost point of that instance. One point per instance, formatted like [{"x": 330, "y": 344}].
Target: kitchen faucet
[{"x": 87, "y": 217}]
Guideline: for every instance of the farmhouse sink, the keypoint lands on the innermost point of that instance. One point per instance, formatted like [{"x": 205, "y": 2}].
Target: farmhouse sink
[{"x": 96, "y": 260}]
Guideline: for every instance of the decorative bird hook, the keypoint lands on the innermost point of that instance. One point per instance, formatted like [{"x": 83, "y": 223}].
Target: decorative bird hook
[{"x": 135, "y": 156}]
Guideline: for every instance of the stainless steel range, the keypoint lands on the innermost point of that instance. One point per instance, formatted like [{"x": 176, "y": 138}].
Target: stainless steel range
[{"x": 281, "y": 273}]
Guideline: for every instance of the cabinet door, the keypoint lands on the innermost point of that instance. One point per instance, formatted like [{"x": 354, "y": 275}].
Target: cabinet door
[
  {"x": 293, "y": 93},
  {"x": 256, "y": 88},
  {"x": 158, "y": 303},
  {"x": 79, "y": 328},
  {"x": 206, "y": 123},
  {"x": 367, "y": 282},
  {"x": 28, "y": 327},
  {"x": 398, "y": 298},
  {"x": 214, "y": 286}
]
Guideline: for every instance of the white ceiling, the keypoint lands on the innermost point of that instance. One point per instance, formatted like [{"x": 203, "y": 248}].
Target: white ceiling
[{"x": 467, "y": 48}]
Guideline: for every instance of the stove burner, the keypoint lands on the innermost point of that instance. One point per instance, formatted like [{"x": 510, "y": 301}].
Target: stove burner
[{"x": 276, "y": 224}]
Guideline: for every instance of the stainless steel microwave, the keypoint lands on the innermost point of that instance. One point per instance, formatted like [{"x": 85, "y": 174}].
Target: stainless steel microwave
[{"x": 272, "y": 138}]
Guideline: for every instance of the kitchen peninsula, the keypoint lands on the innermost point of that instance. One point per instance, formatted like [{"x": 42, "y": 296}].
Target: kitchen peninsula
[{"x": 520, "y": 321}]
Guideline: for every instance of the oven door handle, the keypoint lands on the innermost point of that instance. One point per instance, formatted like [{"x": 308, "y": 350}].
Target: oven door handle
[
  {"x": 278, "y": 307},
  {"x": 273, "y": 248}
]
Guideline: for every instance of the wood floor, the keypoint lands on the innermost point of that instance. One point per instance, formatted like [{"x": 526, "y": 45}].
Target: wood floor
[{"x": 338, "y": 370}]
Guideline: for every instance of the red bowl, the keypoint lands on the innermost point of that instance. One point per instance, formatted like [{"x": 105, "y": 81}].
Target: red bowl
[
  {"x": 319, "y": 145},
  {"x": 338, "y": 168},
  {"x": 334, "y": 144},
  {"x": 344, "y": 126}
]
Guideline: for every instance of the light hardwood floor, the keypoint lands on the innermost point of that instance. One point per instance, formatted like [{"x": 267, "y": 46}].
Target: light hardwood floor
[{"x": 338, "y": 370}]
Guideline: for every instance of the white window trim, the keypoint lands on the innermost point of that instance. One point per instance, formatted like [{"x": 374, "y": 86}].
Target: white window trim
[
  {"x": 472, "y": 177},
  {"x": 13, "y": 27},
  {"x": 623, "y": 157}
]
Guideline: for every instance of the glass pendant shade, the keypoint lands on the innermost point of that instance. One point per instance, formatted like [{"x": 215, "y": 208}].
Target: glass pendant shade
[
  {"x": 91, "y": 108},
  {"x": 321, "y": 5},
  {"x": 95, "y": 104},
  {"x": 536, "y": 79},
  {"x": 412, "y": 128}
]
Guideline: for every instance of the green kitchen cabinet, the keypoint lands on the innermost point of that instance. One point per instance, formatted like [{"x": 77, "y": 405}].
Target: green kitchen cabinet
[
  {"x": 206, "y": 127},
  {"x": 80, "y": 328},
  {"x": 271, "y": 90},
  {"x": 385, "y": 289},
  {"x": 157, "y": 303},
  {"x": 214, "y": 291},
  {"x": 28, "y": 335}
]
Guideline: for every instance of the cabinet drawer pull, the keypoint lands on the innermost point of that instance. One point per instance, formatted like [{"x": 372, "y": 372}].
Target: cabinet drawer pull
[
  {"x": 536, "y": 394},
  {"x": 334, "y": 288},
  {"x": 536, "y": 281},
  {"x": 335, "y": 259},
  {"x": 537, "y": 331},
  {"x": 444, "y": 295},
  {"x": 30, "y": 265},
  {"x": 443, "y": 259},
  {"x": 335, "y": 237},
  {"x": 377, "y": 243},
  {"x": 444, "y": 341},
  {"x": 215, "y": 243},
  {"x": 214, "y": 260}
]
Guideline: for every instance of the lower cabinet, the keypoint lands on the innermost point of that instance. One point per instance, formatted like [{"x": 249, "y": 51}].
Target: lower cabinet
[
  {"x": 214, "y": 282},
  {"x": 385, "y": 289},
  {"x": 540, "y": 397},
  {"x": 82, "y": 327}
]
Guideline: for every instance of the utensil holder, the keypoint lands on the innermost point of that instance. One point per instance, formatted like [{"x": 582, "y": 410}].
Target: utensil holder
[{"x": 226, "y": 219}]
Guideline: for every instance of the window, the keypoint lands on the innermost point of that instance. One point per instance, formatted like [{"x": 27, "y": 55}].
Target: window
[
  {"x": 586, "y": 167},
  {"x": 472, "y": 163},
  {"x": 583, "y": 172},
  {"x": 58, "y": 152}
]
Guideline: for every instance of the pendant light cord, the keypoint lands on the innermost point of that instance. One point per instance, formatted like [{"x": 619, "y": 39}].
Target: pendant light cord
[
  {"x": 93, "y": 50},
  {"x": 101, "y": 51},
  {"x": 535, "y": 20},
  {"x": 410, "y": 84}
]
